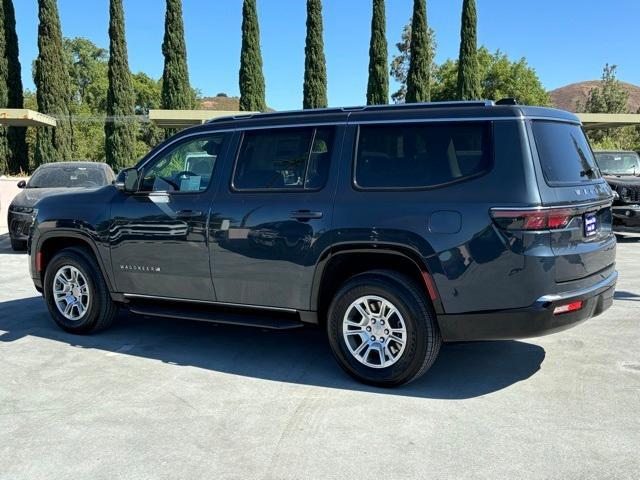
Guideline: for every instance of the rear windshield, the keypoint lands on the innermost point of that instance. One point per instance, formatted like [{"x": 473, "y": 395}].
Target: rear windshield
[
  {"x": 565, "y": 154},
  {"x": 623, "y": 163},
  {"x": 67, "y": 176},
  {"x": 421, "y": 155}
]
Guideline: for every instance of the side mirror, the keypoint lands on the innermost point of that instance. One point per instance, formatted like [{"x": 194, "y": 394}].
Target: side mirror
[
  {"x": 22, "y": 184},
  {"x": 127, "y": 180}
]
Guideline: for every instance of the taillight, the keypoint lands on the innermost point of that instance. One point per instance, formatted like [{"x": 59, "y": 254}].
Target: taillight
[{"x": 532, "y": 219}]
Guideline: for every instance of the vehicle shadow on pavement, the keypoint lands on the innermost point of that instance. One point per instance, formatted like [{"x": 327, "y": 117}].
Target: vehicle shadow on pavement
[
  {"x": 463, "y": 370},
  {"x": 628, "y": 239},
  {"x": 624, "y": 295}
]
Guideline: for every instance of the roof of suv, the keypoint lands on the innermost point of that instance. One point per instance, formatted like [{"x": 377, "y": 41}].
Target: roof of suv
[
  {"x": 467, "y": 110},
  {"x": 79, "y": 164}
]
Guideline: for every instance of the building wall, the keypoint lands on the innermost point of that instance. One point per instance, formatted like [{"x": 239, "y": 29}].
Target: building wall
[{"x": 8, "y": 190}]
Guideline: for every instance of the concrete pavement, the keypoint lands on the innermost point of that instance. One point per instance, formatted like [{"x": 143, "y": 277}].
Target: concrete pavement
[{"x": 154, "y": 398}]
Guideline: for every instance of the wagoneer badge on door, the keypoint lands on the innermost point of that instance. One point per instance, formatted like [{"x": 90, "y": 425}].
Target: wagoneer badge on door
[{"x": 140, "y": 268}]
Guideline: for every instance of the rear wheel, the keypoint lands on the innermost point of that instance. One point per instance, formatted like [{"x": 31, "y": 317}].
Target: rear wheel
[
  {"x": 76, "y": 293},
  {"x": 382, "y": 329}
]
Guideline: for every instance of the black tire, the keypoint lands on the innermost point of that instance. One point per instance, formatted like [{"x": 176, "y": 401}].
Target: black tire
[
  {"x": 18, "y": 245},
  {"x": 101, "y": 310},
  {"x": 423, "y": 335}
]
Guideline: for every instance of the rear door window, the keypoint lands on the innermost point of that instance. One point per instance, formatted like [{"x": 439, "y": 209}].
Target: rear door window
[
  {"x": 284, "y": 159},
  {"x": 564, "y": 152},
  {"x": 420, "y": 155}
]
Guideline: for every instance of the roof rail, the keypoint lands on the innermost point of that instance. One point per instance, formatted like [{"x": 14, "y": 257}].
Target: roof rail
[
  {"x": 394, "y": 106},
  {"x": 453, "y": 103}
]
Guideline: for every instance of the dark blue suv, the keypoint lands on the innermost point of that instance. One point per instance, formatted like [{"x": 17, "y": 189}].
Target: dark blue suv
[{"x": 394, "y": 227}]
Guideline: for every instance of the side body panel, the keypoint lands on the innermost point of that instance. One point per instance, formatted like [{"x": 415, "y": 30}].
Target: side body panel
[{"x": 80, "y": 215}]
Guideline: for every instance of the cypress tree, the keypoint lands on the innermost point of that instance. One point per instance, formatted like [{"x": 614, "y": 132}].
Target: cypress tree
[
  {"x": 378, "y": 85},
  {"x": 176, "y": 92},
  {"x": 419, "y": 75},
  {"x": 53, "y": 90},
  {"x": 468, "y": 74},
  {"x": 16, "y": 144},
  {"x": 119, "y": 133},
  {"x": 4, "y": 97},
  {"x": 314, "y": 91},
  {"x": 251, "y": 77}
]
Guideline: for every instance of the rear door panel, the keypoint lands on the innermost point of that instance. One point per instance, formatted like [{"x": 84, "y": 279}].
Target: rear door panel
[{"x": 263, "y": 255}]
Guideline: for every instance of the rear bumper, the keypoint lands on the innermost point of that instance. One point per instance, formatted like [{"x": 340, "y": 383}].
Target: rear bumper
[
  {"x": 533, "y": 321},
  {"x": 626, "y": 218}
]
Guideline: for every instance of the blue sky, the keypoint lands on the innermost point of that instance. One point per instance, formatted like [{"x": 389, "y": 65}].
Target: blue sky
[{"x": 564, "y": 40}]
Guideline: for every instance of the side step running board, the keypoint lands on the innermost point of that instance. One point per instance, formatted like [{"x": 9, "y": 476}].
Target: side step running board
[{"x": 246, "y": 318}]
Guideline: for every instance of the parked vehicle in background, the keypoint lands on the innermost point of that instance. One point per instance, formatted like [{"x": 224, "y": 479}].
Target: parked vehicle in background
[
  {"x": 622, "y": 171},
  {"x": 49, "y": 179},
  {"x": 394, "y": 227}
]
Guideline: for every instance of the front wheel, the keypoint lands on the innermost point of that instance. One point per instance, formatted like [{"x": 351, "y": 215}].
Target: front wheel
[
  {"x": 382, "y": 329},
  {"x": 76, "y": 292}
]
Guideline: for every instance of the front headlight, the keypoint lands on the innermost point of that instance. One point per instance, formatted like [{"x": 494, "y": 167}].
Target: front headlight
[{"x": 19, "y": 209}]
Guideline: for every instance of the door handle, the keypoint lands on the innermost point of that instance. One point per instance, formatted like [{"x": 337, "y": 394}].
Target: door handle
[
  {"x": 188, "y": 213},
  {"x": 305, "y": 215}
]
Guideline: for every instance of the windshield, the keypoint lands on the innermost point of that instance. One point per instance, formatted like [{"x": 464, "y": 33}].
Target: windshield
[
  {"x": 618, "y": 163},
  {"x": 67, "y": 176}
]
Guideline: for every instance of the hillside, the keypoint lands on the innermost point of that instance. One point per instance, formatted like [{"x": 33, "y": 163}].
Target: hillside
[
  {"x": 220, "y": 103},
  {"x": 568, "y": 96},
  {"x": 223, "y": 102}
]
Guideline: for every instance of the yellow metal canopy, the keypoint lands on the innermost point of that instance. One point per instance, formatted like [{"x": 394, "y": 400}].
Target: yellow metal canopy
[
  {"x": 592, "y": 121},
  {"x": 188, "y": 118},
  {"x": 21, "y": 117}
]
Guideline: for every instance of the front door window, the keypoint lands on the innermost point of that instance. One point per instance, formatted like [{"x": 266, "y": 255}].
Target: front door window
[{"x": 186, "y": 168}]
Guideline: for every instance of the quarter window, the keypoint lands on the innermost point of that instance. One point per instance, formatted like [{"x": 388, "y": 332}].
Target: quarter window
[
  {"x": 187, "y": 167},
  {"x": 289, "y": 159},
  {"x": 420, "y": 155}
]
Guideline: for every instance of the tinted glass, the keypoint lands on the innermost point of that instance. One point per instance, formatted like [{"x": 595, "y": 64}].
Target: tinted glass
[
  {"x": 565, "y": 154},
  {"x": 187, "y": 167},
  {"x": 623, "y": 163},
  {"x": 292, "y": 158},
  {"x": 68, "y": 176},
  {"x": 413, "y": 156}
]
